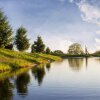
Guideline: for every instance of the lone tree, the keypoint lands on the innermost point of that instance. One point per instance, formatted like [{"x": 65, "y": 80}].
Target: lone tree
[
  {"x": 48, "y": 51},
  {"x": 38, "y": 46},
  {"x": 75, "y": 49},
  {"x": 5, "y": 31},
  {"x": 21, "y": 40}
]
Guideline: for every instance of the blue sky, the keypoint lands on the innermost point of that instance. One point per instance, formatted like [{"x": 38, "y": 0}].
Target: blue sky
[{"x": 59, "y": 22}]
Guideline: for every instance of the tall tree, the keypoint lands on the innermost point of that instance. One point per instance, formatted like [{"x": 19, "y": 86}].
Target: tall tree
[
  {"x": 5, "y": 31},
  {"x": 48, "y": 51},
  {"x": 21, "y": 40},
  {"x": 38, "y": 45}
]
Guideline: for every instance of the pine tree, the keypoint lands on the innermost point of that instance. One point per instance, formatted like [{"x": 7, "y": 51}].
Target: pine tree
[
  {"x": 21, "y": 40},
  {"x": 38, "y": 46},
  {"x": 5, "y": 31},
  {"x": 48, "y": 51}
]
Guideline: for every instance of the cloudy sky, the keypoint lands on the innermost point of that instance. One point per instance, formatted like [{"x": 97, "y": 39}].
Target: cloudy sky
[{"x": 59, "y": 22}]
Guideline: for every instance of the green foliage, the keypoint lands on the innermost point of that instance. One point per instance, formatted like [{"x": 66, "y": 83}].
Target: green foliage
[
  {"x": 48, "y": 51},
  {"x": 75, "y": 49},
  {"x": 49, "y": 57},
  {"x": 13, "y": 60},
  {"x": 5, "y": 31},
  {"x": 4, "y": 67},
  {"x": 58, "y": 52},
  {"x": 21, "y": 40},
  {"x": 38, "y": 46},
  {"x": 96, "y": 54}
]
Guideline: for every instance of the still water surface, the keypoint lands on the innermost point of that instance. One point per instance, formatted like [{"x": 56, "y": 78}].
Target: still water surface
[{"x": 70, "y": 79}]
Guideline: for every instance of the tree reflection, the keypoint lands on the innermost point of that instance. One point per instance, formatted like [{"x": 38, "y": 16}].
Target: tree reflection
[
  {"x": 6, "y": 90},
  {"x": 39, "y": 73},
  {"x": 48, "y": 66},
  {"x": 22, "y": 82},
  {"x": 86, "y": 60},
  {"x": 75, "y": 64}
]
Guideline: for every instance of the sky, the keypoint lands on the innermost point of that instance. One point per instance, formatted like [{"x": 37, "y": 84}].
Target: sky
[{"x": 59, "y": 22}]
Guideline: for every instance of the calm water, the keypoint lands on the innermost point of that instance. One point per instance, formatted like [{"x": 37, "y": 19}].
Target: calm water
[{"x": 70, "y": 79}]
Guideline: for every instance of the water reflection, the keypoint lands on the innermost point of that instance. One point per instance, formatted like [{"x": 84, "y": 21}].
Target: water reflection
[
  {"x": 21, "y": 83},
  {"x": 86, "y": 60},
  {"x": 6, "y": 88},
  {"x": 15, "y": 85},
  {"x": 7, "y": 85},
  {"x": 39, "y": 73},
  {"x": 97, "y": 59},
  {"x": 48, "y": 66},
  {"x": 75, "y": 63}
]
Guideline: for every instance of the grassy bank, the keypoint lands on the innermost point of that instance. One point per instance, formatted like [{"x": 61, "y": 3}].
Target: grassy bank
[{"x": 11, "y": 60}]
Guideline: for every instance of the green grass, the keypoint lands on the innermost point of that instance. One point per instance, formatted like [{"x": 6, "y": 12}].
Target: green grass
[
  {"x": 10, "y": 60},
  {"x": 4, "y": 67}
]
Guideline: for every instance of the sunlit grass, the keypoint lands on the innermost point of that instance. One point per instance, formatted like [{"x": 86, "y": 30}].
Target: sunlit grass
[
  {"x": 13, "y": 59},
  {"x": 4, "y": 67}
]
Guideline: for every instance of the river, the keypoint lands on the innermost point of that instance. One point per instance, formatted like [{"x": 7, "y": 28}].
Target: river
[{"x": 70, "y": 79}]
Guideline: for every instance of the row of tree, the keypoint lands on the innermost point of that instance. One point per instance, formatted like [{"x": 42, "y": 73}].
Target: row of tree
[{"x": 20, "y": 40}]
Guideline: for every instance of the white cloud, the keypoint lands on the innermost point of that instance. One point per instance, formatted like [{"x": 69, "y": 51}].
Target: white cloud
[
  {"x": 57, "y": 43},
  {"x": 98, "y": 32},
  {"x": 97, "y": 40},
  {"x": 64, "y": 45},
  {"x": 89, "y": 12},
  {"x": 97, "y": 45}
]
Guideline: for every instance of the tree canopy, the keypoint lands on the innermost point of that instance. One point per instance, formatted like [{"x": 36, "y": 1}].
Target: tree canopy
[
  {"x": 48, "y": 51},
  {"x": 5, "y": 31},
  {"x": 21, "y": 40},
  {"x": 58, "y": 52},
  {"x": 38, "y": 45},
  {"x": 75, "y": 49}
]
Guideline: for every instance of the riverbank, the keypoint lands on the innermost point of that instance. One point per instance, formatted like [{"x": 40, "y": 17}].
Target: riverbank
[
  {"x": 71, "y": 56},
  {"x": 11, "y": 60}
]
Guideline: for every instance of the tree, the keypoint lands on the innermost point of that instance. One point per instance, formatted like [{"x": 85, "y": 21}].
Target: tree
[
  {"x": 21, "y": 40},
  {"x": 38, "y": 45},
  {"x": 48, "y": 51},
  {"x": 10, "y": 47},
  {"x": 75, "y": 49},
  {"x": 5, "y": 31},
  {"x": 58, "y": 52},
  {"x": 97, "y": 52}
]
